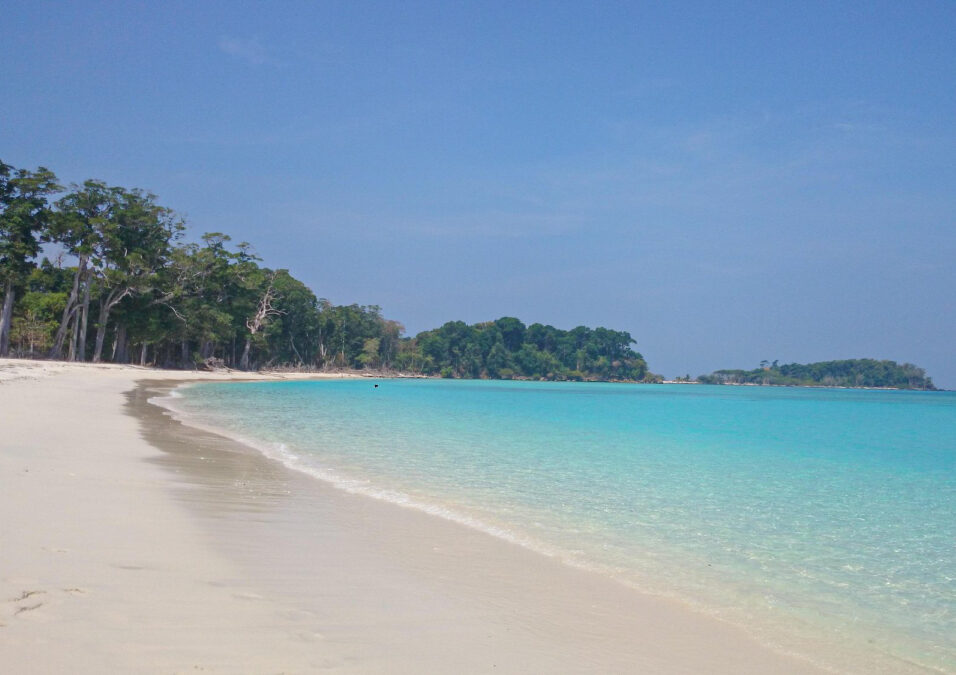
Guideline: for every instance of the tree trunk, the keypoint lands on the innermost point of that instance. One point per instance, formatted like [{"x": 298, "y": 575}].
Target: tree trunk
[
  {"x": 244, "y": 361},
  {"x": 109, "y": 302},
  {"x": 71, "y": 355},
  {"x": 84, "y": 317},
  {"x": 6, "y": 318},
  {"x": 296, "y": 351},
  {"x": 101, "y": 331},
  {"x": 57, "y": 350},
  {"x": 142, "y": 356},
  {"x": 123, "y": 355},
  {"x": 185, "y": 353},
  {"x": 119, "y": 344}
]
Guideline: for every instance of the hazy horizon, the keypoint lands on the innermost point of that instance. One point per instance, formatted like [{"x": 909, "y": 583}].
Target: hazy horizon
[{"x": 728, "y": 185}]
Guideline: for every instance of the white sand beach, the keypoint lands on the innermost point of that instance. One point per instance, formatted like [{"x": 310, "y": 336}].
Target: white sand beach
[{"x": 131, "y": 543}]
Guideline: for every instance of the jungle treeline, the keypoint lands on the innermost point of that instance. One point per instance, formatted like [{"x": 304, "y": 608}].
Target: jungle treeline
[
  {"x": 845, "y": 373},
  {"x": 121, "y": 284}
]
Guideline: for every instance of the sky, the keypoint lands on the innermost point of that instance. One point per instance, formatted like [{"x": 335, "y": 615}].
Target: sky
[{"x": 728, "y": 182}]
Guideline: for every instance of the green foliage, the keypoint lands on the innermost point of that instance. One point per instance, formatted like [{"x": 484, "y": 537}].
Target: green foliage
[
  {"x": 507, "y": 349},
  {"x": 24, "y": 216},
  {"x": 145, "y": 296},
  {"x": 35, "y": 321},
  {"x": 846, "y": 373}
]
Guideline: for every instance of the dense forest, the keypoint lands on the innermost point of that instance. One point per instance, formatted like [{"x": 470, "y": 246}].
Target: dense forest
[
  {"x": 508, "y": 349},
  {"x": 846, "y": 373},
  {"x": 123, "y": 286}
]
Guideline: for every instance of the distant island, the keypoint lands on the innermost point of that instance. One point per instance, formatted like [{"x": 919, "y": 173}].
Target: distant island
[{"x": 845, "y": 373}]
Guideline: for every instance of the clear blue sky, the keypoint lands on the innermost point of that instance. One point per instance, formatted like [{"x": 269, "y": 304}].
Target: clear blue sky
[{"x": 729, "y": 182}]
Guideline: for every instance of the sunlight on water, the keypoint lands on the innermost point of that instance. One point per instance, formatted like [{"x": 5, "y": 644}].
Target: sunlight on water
[{"x": 808, "y": 511}]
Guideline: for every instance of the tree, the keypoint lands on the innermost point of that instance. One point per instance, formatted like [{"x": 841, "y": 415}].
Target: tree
[
  {"x": 498, "y": 359},
  {"x": 131, "y": 246},
  {"x": 512, "y": 332},
  {"x": 258, "y": 320},
  {"x": 201, "y": 291},
  {"x": 292, "y": 336},
  {"x": 79, "y": 216},
  {"x": 369, "y": 357},
  {"x": 24, "y": 216}
]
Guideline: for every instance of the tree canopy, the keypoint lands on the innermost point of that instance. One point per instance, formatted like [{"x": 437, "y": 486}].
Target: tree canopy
[
  {"x": 24, "y": 215},
  {"x": 506, "y": 348},
  {"x": 126, "y": 287}
]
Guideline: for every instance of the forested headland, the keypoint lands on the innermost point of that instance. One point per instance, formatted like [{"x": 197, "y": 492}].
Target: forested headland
[
  {"x": 120, "y": 283},
  {"x": 845, "y": 373}
]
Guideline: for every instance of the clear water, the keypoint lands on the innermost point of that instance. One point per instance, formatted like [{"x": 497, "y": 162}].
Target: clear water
[{"x": 809, "y": 513}]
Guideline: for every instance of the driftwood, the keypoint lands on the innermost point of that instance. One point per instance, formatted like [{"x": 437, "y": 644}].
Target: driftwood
[{"x": 211, "y": 364}]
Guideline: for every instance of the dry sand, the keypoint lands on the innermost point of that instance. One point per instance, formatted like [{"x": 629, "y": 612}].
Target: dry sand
[{"x": 131, "y": 543}]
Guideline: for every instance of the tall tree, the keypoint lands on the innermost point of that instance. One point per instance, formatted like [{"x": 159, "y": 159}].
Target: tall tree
[
  {"x": 24, "y": 215},
  {"x": 80, "y": 216},
  {"x": 130, "y": 247},
  {"x": 264, "y": 311}
]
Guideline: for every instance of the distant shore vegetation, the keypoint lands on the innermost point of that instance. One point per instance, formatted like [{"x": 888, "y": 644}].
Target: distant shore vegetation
[
  {"x": 507, "y": 349},
  {"x": 845, "y": 373},
  {"x": 124, "y": 287}
]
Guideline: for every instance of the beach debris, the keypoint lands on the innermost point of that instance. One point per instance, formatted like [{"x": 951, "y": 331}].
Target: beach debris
[{"x": 212, "y": 364}]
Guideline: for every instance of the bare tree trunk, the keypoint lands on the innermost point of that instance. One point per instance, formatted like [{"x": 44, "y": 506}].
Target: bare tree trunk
[
  {"x": 185, "y": 353},
  {"x": 119, "y": 345},
  {"x": 84, "y": 316},
  {"x": 244, "y": 361},
  {"x": 101, "y": 331},
  {"x": 57, "y": 350},
  {"x": 109, "y": 302},
  {"x": 142, "y": 356},
  {"x": 71, "y": 355},
  {"x": 258, "y": 321},
  {"x": 6, "y": 318},
  {"x": 296, "y": 351}
]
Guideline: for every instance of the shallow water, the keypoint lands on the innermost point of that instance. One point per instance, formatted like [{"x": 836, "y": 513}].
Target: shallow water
[{"x": 807, "y": 513}]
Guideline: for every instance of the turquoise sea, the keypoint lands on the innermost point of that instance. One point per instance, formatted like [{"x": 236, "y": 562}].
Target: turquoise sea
[{"x": 811, "y": 516}]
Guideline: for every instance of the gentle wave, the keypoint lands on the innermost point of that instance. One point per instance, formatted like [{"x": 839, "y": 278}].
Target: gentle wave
[
  {"x": 479, "y": 446},
  {"x": 282, "y": 453}
]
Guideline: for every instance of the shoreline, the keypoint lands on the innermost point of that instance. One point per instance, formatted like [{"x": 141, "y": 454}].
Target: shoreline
[
  {"x": 286, "y": 572},
  {"x": 806, "y": 642},
  {"x": 591, "y": 618}
]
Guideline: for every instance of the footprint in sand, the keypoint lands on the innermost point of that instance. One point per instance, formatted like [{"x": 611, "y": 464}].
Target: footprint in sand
[
  {"x": 27, "y": 608},
  {"x": 27, "y": 594},
  {"x": 29, "y": 600}
]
